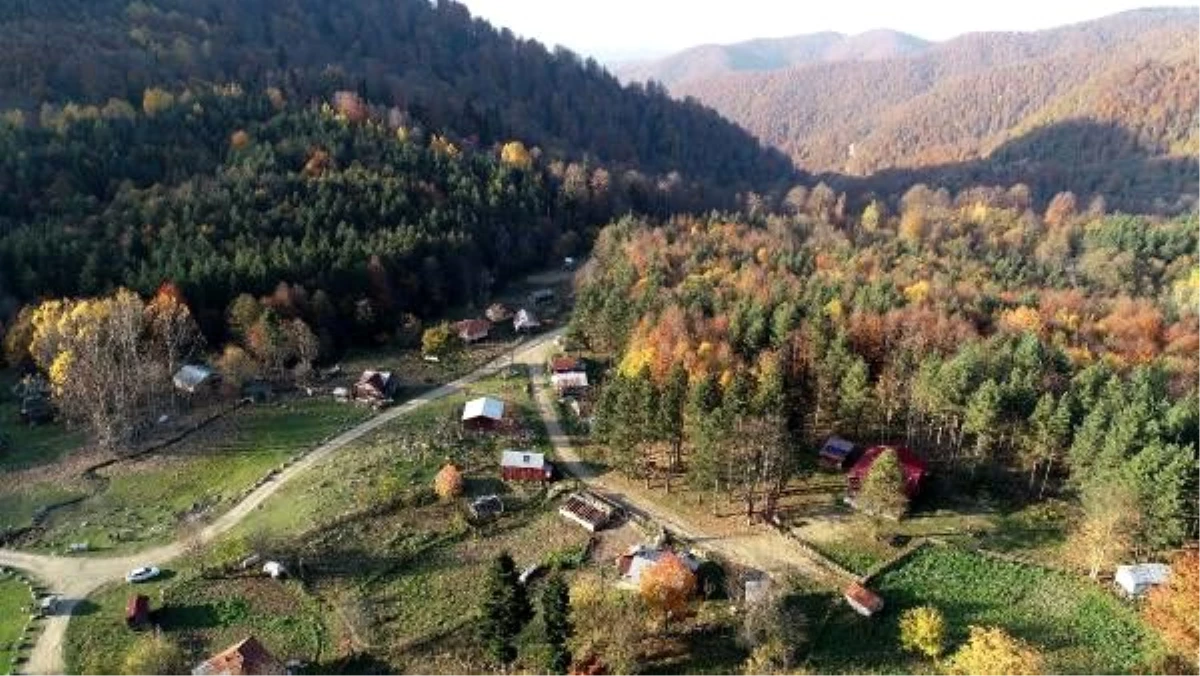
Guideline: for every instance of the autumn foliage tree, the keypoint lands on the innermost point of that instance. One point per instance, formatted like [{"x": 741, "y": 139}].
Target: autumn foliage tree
[
  {"x": 1174, "y": 608},
  {"x": 101, "y": 366},
  {"x": 667, "y": 586},
  {"x": 991, "y": 650},
  {"x": 923, "y": 631},
  {"x": 882, "y": 491},
  {"x": 448, "y": 483}
]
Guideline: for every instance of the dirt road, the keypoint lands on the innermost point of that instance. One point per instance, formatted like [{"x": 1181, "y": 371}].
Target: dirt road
[
  {"x": 73, "y": 578},
  {"x": 759, "y": 547}
]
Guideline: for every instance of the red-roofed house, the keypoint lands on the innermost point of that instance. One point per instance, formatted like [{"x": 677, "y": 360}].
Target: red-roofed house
[
  {"x": 244, "y": 658},
  {"x": 911, "y": 464},
  {"x": 471, "y": 330}
]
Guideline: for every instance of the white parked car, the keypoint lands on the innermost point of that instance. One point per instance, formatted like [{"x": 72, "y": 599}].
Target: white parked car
[{"x": 142, "y": 574}]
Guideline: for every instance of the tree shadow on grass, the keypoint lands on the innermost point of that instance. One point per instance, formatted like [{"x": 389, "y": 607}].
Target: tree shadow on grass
[
  {"x": 195, "y": 616},
  {"x": 359, "y": 663}
]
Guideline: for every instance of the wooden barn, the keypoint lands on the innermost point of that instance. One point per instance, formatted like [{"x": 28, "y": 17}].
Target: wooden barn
[
  {"x": 525, "y": 466},
  {"x": 914, "y": 468}
]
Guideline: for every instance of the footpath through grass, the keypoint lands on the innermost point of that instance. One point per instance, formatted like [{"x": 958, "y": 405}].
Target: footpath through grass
[{"x": 1080, "y": 627}]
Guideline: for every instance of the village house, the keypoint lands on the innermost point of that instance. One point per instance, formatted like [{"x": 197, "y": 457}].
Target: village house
[
  {"x": 864, "y": 601},
  {"x": 241, "y": 659},
  {"x": 196, "y": 379},
  {"x": 497, "y": 312},
  {"x": 484, "y": 413},
  {"x": 567, "y": 364},
  {"x": 569, "y": 383},
  {"x": 473, "y": 330},
  {"x": 525, "y": 466},
  {"x": 1136, "y": 579},
  {"x": 375, "y": 386},
  {"x": 588, "y": 510},
  {"x": 837, "y": 453},
  {"x": 914, "y": 468},
  {"x": 525, "y": 320}
]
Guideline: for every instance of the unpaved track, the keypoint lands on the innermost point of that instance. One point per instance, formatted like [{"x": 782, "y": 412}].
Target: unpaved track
[
  {"x": 73, "y": 578},
  {"x": 759, "y": 547}
]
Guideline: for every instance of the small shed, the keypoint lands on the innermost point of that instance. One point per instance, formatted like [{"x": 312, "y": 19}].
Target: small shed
[
  {"x": 483, "y": 413},
  {"x": 246, "y": 657},
  {"x": 473, "y": 330},
  {"x": 757, "y": 587},
  {"x": 1136, "y": 579},
  {"x": 497, "y": 312},
  {"x": 486, "y": 507},
  {"x": 569, "y": 383},
  {"x": 525, "y": 466},
  {"x": 837, "y": 453},
  {"x": 375, "y": 386},
  {"x": 864, "y": 601},
  {"x": 913, "y": 467},
  {"x": 137, "y": 611},
  {"x": 525, "y": 321},
  {"x": 275, "y": 569},
  {"x": 588, "y": 510},
  {"x": 196, "y": 379}
]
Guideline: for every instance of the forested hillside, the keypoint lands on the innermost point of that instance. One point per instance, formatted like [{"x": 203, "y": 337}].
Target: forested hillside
[
  {"x": 959, "y": 101},
  {"x": 434, "y": 60},
  {"x": 1023, "y": 353}
]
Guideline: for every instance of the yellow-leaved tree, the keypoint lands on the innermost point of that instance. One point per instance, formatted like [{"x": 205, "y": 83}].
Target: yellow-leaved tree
[
  {"x": 923, "y": 630},
  {"x": 514, "y": 154},
  {"x": 991, "y": 650}
]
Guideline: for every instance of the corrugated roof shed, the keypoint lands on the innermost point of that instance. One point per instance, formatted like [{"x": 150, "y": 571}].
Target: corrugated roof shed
[{"x": 484, "y": 407}]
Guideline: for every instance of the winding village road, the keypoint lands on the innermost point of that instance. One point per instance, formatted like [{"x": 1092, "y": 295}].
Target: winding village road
[{"x": 74, "y": 578}]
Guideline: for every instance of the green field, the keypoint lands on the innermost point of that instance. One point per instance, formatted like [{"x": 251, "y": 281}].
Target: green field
[
  {"x": 386, "y": 563},
  {"x": 144, "y": 501},
  {"x": 15, "y": 605},
  {"x": 1081, "y": 628},
  {"x": 203, "y": 616}
]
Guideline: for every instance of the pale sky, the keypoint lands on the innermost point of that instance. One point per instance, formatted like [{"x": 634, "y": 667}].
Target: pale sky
[{"x": 613, "y": 30}]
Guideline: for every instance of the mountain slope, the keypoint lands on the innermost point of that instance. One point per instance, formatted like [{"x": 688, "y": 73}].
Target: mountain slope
[
  {"x": 435, "y": 60},
  {"x": 955, "y": 101},
  {"x": 768, "y": 54}
]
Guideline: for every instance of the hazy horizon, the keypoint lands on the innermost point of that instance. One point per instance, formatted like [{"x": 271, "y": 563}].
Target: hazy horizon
[{"x": 627, "y": 30}]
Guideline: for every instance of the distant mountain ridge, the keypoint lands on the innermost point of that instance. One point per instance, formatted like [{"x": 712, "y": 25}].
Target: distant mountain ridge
[
  {"x": 767, "y": 54},
  {"x": 958, "y": 100}
]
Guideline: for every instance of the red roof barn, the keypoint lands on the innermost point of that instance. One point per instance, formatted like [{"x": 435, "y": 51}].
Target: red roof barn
[
  {"x": 913, "y": 466},
  {"x": 525, "y": 466}
]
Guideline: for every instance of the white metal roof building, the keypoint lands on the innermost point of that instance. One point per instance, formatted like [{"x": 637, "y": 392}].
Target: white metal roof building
[
  {"x": 522, "y": 460},
  {"x": 1138, "y": 578},
  {"x": 484, "y": 407}
]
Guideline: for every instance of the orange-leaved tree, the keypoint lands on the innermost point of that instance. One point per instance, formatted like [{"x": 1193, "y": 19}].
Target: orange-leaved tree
[
  {"x": 668, "y": 586},
  {"x": 1174, "y": 608},
  {"x": 448, "y": 483}
]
